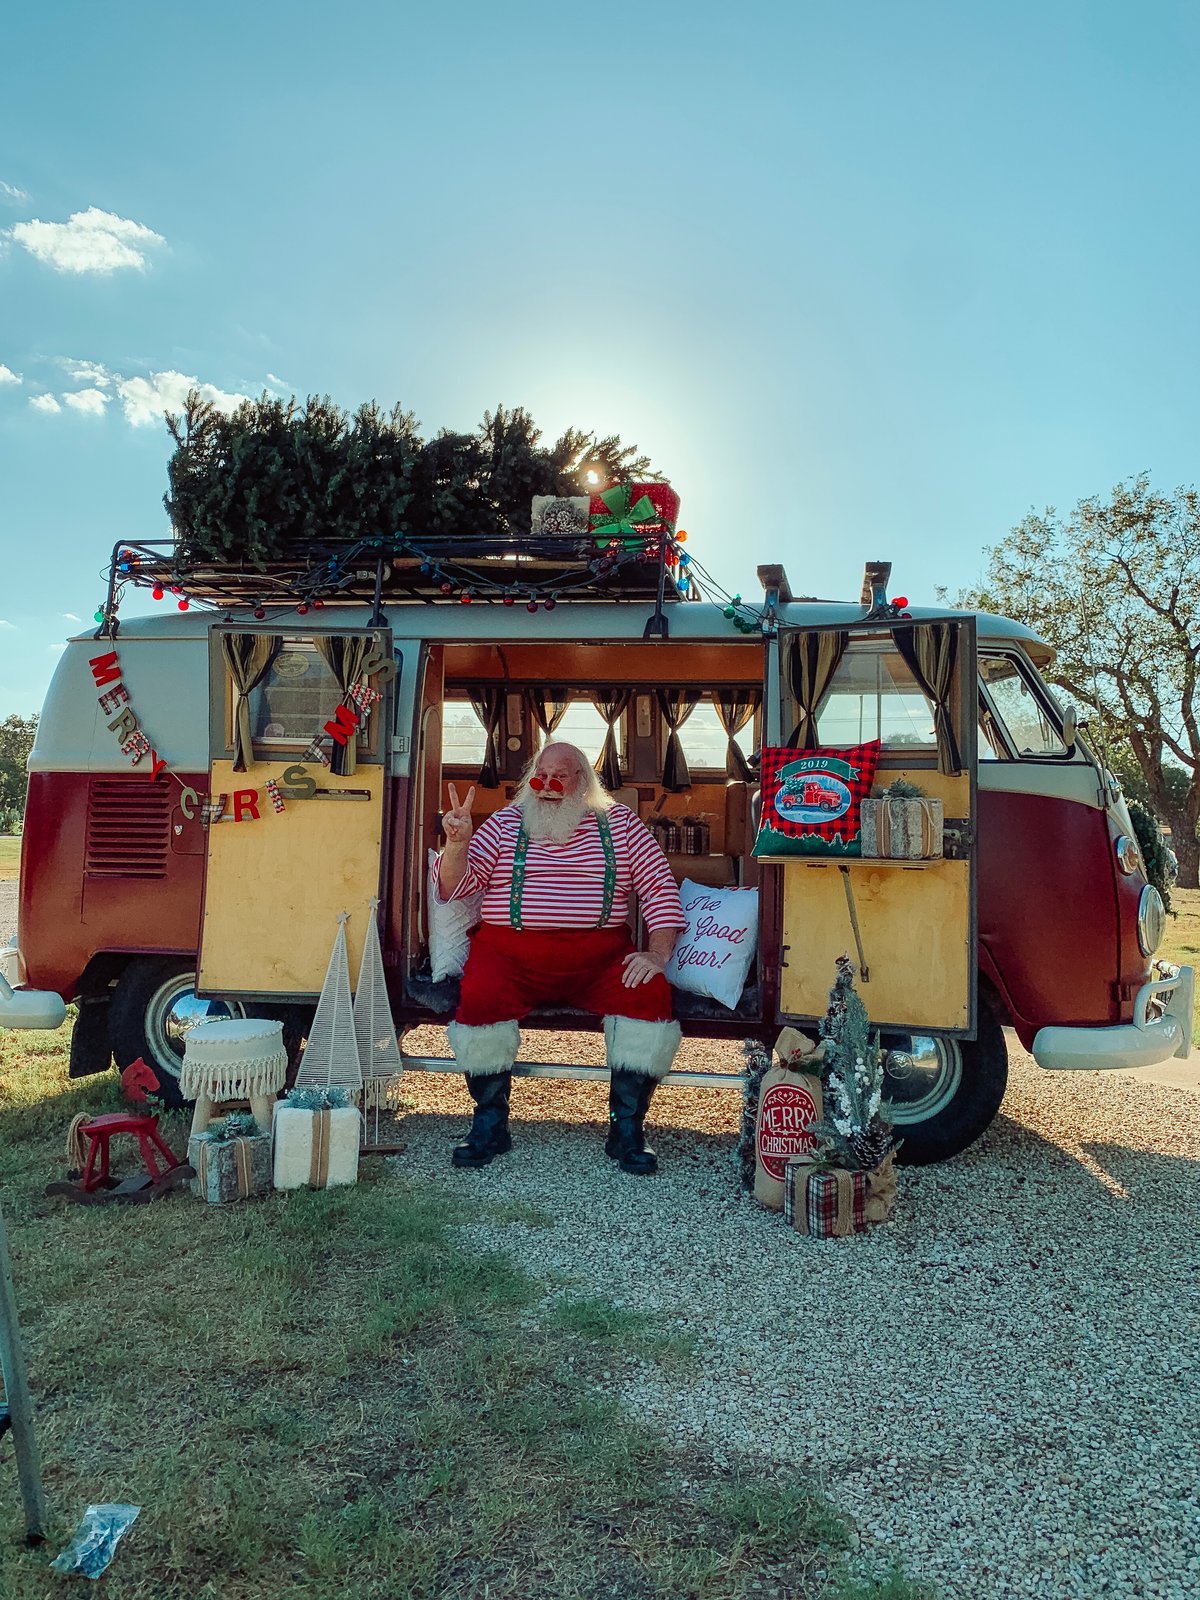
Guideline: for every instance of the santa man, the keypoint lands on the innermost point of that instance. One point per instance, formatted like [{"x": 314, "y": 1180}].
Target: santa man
[{"x": 556, "y": 869}]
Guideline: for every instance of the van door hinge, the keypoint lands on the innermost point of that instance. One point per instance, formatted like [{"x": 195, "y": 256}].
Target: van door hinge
[
  {"x": 400, "y": 744},
  {"x": 958, "y": 836}
]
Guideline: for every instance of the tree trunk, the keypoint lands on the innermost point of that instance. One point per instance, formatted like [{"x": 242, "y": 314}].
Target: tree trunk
[{"x": 1187, "y": 853}]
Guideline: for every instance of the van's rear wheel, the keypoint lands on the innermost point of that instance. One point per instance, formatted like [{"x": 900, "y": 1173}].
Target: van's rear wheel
[
  {"x": 944, "y": 1092},
  {"x": 154, "y": 1007}
]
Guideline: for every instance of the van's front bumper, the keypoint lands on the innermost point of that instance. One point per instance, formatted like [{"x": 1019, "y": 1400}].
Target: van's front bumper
[
  {"x": 1161, "y": 1028},
  {"x": 26, "y": 1008}
]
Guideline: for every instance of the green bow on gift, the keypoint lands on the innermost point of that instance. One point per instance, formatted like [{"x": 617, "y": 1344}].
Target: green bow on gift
[{"x": 624, "y": 520}]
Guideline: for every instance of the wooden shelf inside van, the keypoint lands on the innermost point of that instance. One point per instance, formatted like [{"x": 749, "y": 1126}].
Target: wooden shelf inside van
[{"x": 826, "y": 862}]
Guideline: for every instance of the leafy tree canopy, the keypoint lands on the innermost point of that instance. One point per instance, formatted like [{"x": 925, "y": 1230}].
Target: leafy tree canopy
[
  {"x": 275, "y": 478},
  {"x": 1115, "y": 587},
  {"x": 16, "y": 741}
]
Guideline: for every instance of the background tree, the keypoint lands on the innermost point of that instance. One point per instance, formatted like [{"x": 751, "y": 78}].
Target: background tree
[
  {"x": 16, "y": 741},
  {"x": 276, "y": 478},
  {"x": 1115, "y": 587}
]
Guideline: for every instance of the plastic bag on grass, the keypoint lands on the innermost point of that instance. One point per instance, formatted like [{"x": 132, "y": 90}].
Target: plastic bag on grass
[{"x": 95, "y": 1540}]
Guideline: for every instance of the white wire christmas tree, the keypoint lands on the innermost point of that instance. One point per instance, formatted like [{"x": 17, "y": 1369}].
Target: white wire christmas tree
[
  {"x": 378, "y": 1051},
  {"x": 331, "y": 1055}
]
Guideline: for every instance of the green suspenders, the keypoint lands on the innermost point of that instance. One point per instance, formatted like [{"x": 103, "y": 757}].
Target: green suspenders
[{"x": 610, "y": 872}]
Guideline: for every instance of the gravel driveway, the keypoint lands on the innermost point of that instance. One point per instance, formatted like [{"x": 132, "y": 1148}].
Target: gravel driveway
[
  {"x": 8, "y": 911},
  {"x": 1000, "y": 1384}
]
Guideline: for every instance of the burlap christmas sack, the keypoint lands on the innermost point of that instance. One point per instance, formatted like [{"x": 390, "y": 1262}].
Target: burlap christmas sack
[{"x": 789, "y": 1103}]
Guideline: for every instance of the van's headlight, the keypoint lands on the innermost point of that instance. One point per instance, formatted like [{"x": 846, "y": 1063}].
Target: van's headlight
[
  {"x": 1129, "y": 857},
  {"x": 1152, "y": 920}
]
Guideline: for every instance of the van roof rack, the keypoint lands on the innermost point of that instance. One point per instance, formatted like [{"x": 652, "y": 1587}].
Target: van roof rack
[{"x": 540, "y": 569}]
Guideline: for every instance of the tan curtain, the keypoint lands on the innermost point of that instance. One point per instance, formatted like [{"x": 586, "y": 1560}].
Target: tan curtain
[
  {"x": 736, "y": 708},
  {"x": 487, "y": 702},
  {"x": 610, "y": 703},
  {"x": 345, "y": 654},
  {"x": 547, "y": 706},
  {"x": 676, "y": 706},
  {"x": 248, "y": 657},
  {"x": 812, "y": 662},
  {"x": 931, "y": 651}
]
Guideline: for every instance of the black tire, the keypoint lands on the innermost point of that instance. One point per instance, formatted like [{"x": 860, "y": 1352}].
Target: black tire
[
  {"x": 945, "y": 1092},
  {"x": 153, "y": 1006}
]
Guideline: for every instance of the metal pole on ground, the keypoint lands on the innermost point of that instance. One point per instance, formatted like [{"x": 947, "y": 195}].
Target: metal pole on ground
[{"x": 17, "y": 1414}]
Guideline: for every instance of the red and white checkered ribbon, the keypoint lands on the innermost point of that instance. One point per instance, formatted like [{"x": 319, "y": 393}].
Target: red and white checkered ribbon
[
  {"x": 136, "y": 746},
  {"x": 276, "y": 798},
  {"x": 315, "y": 753},
  {"x": 362, "y": 696}
]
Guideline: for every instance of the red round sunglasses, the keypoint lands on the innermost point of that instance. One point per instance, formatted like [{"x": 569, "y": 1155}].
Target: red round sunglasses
[{"x": 555, "y": 785}]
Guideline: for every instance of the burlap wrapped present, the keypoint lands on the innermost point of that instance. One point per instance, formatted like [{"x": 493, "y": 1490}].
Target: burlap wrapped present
[
  {"x": 902, "y": 830},
  {"x": 789, "y": 1103},
  {"x": 229, "y": 1169},
  {"x": 317, "y": 1149},
  {"x": 832, "y": 1202}
]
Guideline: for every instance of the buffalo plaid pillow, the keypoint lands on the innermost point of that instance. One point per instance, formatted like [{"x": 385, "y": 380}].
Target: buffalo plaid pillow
[{"x": 811, "y": 800}]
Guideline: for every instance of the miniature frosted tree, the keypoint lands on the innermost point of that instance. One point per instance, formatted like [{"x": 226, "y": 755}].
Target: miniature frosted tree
[
  {"x": 856, "y": 1130},
  {"x": 331, "y": 1054}
]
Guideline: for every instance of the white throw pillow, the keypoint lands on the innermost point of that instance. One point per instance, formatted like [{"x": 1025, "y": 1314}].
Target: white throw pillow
[
  {"x": 450, "y": 924},
  {"x": 715, "y": 950}
]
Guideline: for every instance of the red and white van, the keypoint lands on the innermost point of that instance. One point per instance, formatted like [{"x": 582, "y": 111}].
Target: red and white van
[{"x": 141, "y": 906}]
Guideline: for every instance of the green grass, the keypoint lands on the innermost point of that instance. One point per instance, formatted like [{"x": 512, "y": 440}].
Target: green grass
[
  {"x": 322, "y": 1394},
  {"x": 1181, "y": 942},
  {"x": 10, "y": 859}
]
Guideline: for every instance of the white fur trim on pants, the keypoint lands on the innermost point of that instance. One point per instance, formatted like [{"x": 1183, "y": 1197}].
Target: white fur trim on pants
[
  {"x": 490, "y": 1048},
  {"x": 633, "y": 1045}
]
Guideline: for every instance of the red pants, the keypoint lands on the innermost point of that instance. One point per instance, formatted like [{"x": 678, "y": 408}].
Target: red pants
[{"x": 511, "y": 971}]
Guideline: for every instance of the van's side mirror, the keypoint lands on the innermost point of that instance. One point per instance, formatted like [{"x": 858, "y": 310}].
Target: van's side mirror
[{"x": 1070, "y": 727}]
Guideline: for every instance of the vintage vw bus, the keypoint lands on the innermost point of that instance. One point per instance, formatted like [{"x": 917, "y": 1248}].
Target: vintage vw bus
[{"x": 189, "y": 844}]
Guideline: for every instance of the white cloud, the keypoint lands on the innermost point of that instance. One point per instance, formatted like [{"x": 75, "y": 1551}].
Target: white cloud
[
  {"x": 44, "y": 402},
  {"x": 4, "y": 624},
  {"x": 9, "y": 191},
  {"x": 87, "y": 372},
  {"x": 145, "y": 399},
  {"x": 90, "y": 401},
  {"x": 278, "y": 383},
  {"x": 89, "y": 241},
  {"x": 7, "y": 375},
  {"x": 69, "y": 616}
]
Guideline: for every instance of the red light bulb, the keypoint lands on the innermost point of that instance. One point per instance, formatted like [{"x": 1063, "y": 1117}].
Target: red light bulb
[
  {"x": 157, "y": 591},
  {"x": 447, "y": 588},
  {"x": 318, "y": 605},
  {"x": 509, "y": 599},
  {"x": 532, "y": 607},
  {"x": 900, "y": 601},
  {"x": 302, "y": 608},
  {"x": 184, "y": 603},
  {"x": 464, "y": 598},
  {"x": 259, "y": 613}
]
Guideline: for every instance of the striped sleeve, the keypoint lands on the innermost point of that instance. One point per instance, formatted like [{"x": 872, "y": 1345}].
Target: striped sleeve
[
  {"x": 482, "y": 854},
  {"x": 658, "y": 893}
]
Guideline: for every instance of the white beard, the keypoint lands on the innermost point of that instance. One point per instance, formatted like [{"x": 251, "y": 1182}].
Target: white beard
[{"x": 553, "y": 821}]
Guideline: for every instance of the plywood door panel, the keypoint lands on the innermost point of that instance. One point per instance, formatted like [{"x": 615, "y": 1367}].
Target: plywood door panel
[
  {"x": 915, "y": 925},
  {"x": 273, "y": 889}
]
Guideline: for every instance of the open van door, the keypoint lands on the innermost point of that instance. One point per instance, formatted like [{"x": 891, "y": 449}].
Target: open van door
[
  {"x": 908, "y": 926},
  {"x": 281, "y": 865}
]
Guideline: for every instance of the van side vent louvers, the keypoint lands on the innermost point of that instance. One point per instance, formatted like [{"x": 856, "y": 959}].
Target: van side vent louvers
[{"x": 128, "y": 828}]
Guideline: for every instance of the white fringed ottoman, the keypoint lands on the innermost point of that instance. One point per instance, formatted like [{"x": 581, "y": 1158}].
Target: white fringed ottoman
[{"x": 239, "y": 1059}]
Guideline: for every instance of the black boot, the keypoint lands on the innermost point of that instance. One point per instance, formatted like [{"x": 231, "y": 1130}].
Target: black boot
[
  {"x": 489, "y": 1135},
  {"x": 628, "y": 1101}
]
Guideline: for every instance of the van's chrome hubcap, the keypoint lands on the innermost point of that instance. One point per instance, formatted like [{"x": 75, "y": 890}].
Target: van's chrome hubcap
[
  {"x": 921, "y": 1076},
  {"x": 173, "y": 1011}
]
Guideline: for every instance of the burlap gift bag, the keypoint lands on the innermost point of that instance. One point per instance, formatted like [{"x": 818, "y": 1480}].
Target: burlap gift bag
[{"x": 789, "y": 1103}]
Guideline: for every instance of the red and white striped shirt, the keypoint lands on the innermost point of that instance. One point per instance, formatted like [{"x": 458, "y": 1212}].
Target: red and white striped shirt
[{"x": 564, "y": 883}]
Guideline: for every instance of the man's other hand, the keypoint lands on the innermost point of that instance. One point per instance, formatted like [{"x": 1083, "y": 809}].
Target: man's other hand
[{"x": 640, "y": 967}]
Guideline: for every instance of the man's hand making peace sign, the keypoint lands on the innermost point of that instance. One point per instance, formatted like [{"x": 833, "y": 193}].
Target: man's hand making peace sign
[{"x": 456, "y": 822}]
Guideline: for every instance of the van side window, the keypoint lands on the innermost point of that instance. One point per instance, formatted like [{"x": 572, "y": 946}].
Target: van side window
[
  {"x": 583, "y": 725},
  {"x": 1012, "y": 714},
  {"x": 464, "y": 738},
  {"x": 704, "y": 739},
  {"x": 294, "y": 700},
  {"x": 873, "y": 695}
]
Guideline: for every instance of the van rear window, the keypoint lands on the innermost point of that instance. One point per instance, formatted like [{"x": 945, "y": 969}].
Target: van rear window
[{"x": 873, "y": 695}]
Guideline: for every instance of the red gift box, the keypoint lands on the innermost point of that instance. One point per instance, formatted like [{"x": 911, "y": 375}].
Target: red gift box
[{"x": 661, "y": 496}]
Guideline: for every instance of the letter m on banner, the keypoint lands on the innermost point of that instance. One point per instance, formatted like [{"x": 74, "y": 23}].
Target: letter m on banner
[
  {"x": 105, "y": 669},
  {"x": 342, "y": 724}
]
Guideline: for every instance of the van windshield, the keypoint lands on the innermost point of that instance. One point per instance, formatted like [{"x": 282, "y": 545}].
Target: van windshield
[{"x": 1014, "y": 710}]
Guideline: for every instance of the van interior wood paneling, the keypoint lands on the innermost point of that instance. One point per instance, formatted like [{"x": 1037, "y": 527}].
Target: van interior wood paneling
[
  {"x": 273, "y": 889},
  {"x": 657, "y": 664},
  {"x": 917, "y": 946}
]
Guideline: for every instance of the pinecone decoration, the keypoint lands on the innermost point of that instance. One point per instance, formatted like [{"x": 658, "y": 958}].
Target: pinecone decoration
[{"x": 873, "y": 1146}]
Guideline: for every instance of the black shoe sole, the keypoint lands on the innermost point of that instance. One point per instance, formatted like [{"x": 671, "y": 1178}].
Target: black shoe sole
[{"x": 470, "y": 1159}]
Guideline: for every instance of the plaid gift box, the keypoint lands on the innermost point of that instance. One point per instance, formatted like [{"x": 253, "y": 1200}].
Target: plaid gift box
[
  {"x": 826, "y": 1202},
  {"x": 811, "y": 799}
]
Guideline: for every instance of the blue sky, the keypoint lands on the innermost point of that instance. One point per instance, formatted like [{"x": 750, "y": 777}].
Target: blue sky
[{"x": 864, "y": 281}]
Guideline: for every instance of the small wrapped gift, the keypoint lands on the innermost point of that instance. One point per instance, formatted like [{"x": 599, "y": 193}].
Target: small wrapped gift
[
  {"x": 833, "y": 1202},
  {"x": 232, "y": 1161},
  {"x": 317, "y": 1139},
  {"x": 907, "y": 829},
  {"x": 561, "y": 515},
  {"x": 634, "y": 511}
]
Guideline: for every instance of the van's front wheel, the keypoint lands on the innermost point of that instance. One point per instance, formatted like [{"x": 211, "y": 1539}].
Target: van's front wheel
[
  {"x": 944, "y": 1092},
  {"x": 154, "y": 1007}
]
